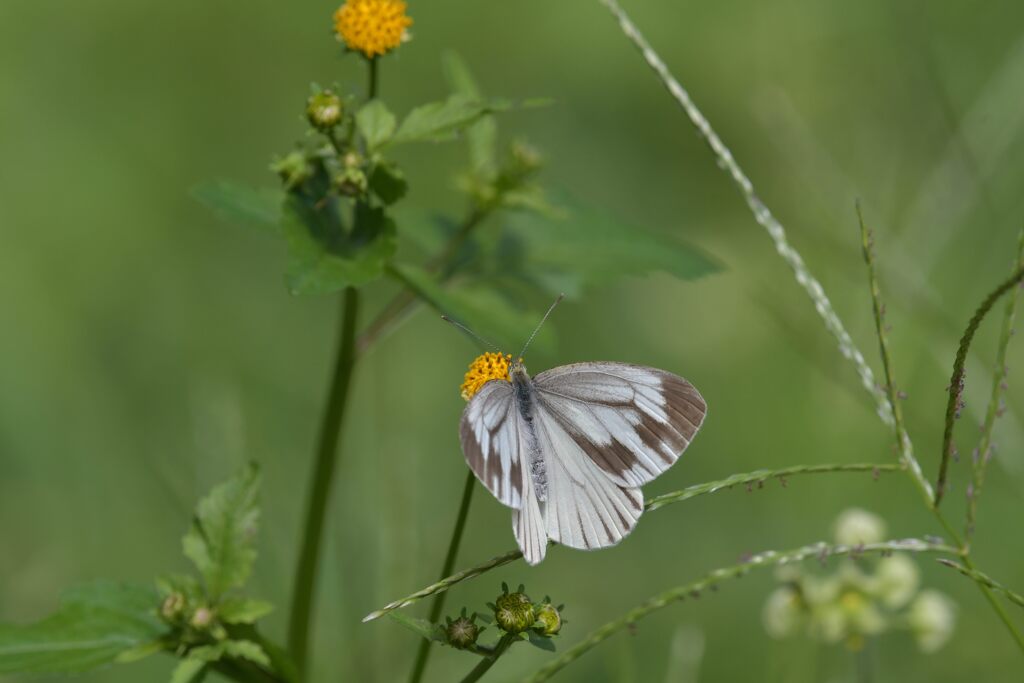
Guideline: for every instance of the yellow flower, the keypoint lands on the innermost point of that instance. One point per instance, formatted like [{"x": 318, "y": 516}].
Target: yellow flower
[
  {"x": 482, "y": 370},
  {"x": 371, "y": 26}
]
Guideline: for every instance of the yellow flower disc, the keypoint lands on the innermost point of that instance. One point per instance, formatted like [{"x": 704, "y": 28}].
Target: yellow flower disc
[
  {"x": 482, "y": 370},
  {"x": 371, "y": 26}
]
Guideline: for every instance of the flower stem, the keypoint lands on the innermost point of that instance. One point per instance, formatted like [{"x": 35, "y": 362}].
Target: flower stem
[
  {"x": 769, "y": 558},
  {"x": 374, "y": 82},
  {"x": 449, "y": 563},
  {"x": 320, "y": 484},
  {"x": 487, "y": 662}
]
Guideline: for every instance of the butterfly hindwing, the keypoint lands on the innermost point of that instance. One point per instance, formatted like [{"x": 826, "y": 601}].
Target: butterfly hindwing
[{"x": 633, "y": 422}]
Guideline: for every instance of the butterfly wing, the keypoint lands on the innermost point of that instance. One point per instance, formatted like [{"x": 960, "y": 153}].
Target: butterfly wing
[
  {"x": 632, "y": 422},
  {"x": 495, "y": 445}
]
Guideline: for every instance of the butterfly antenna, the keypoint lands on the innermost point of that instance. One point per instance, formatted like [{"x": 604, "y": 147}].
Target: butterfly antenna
[
  {"x": 471, "y": 333},
  {"x": 540, "y": 324}
]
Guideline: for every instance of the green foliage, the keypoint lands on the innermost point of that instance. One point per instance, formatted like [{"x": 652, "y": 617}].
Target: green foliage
[
  {"x": 189, "y": 671},
  {"x": 238, "y": 203},
  {"x": 95, "y": 625},
  {"x": 420, "y": 627},
  {"x": 235, "y": 610},
  {"x": 222, "y": 539},
  {"x": 482, "y": 135},
  {"x": 375, "y": 123},
  {"x": 439, "y": 121}
]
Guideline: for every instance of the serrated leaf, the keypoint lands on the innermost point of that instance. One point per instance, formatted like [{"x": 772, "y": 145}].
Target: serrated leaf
[
  {"x": 481, "y": 309},
  {"x": 92, "y": 627},
  {"x": 221, "y": 542},
  {"x": 324, "y": 258},
  {"x": 597, "y": 248},
  {"x": 246, "y": 649},
  {"x": 375, "y": 123},
  {"x": 541, "y": 642},
  {"x": 243, "y": 610},
  {"x": 189, "y": 671},
  {"x": 388, "y": 183},
  {"x": 482, "y": 136},
  {"x": 238, "y": 203},
  {"x": 443, "y": 120},
  {"x": 421, "y": 627}
]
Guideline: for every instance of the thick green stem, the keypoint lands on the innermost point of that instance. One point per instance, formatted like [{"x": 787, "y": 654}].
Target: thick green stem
[
  {"x": 320, "y": 485},
  {"x": 374, "y": 81},
  {"x": 449, "y": 562},
  {"x": 485, "y": 664}
]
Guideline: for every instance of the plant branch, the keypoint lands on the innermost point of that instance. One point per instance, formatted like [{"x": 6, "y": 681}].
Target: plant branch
[
  {"x": 320, "y": 484},
  {"x": 982, "y": 455},
  {"x": 903, "y": 443},
  {"x": 711, "y": 580},
  {"x": 758, "y": 208},
  {"x": 756, "y": 477},
  {"x": 449, "y": 563},
  {"x": 985, "y": 580},
  {"x": 487, "y": 662},
  {"x": 956, "y": 382}
]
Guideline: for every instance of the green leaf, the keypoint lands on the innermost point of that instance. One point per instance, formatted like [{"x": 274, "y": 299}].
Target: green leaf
[
  {"x": 243, "y": 610},
  {"x": 246, "y": 649},
  {"x": 594, "y": 248},
  {"x": 481, "y": 136},
  {"x": 443, "y": 120},
  {"x": 189, "y": 671},
  {"x": 376, "y": 123},
  {"x": 420, "y": 627},
  {"x": 221, "y": 542},
  {"x": 388, "y": 183},
  {"x": 481, "y": 309},
  {"x": 239, "y": 203},
  {"x": 324, "y": 257},
  {"x": 541, "y": 642},
  {"x": 94, "y": 625}
]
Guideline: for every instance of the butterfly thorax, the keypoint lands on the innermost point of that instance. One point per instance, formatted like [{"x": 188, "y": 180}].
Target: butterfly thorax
[{"x": 526, "y": 405}]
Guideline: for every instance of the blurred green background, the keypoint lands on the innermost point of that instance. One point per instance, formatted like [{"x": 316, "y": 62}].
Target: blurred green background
[{"x": 147, "y": 349}]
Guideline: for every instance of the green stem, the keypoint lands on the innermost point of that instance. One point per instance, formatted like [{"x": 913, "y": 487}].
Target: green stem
[
  {"x": 981, "y": 456},
  {"x": 757, "y": 477},
  {"x": 956, "y": 381},
  {"x": 768, "y": 558},
  {"x": 449, "y": 562},
  {"x": 374, "y": 81},
  {"x": 244, "y": 671},
  {"x": 486, "y": 663},
  {"x": 985, "y": 579},
  {"x": 320, "y": 484}
]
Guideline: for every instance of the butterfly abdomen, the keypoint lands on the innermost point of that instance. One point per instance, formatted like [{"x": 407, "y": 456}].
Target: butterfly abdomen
[{"x": 526, "y": 405}]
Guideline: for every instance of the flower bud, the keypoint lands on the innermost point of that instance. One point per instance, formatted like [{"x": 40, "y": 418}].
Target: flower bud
[
  {"x": 293, "y": 169},
  {"x": 351, "y": 182},
  {"x": 172, "y": 607},
  {"x": 783, "y": 612},
  {"x": 202, "y": 618},
  {"x": 462, "y": 633},
  {"x": 514, "y": 612},
  {"x": 548, "y": 615},
  {"x": 323, "y": 110},
  {"x": 525, "y": 158},
  {"x": 895, "y": 581},
  {"x": 856, "y": 527}
]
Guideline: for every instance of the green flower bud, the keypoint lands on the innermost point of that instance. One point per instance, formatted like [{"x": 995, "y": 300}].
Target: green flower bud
[
  {"x": 514, "y": 612},
  {"x": 548, "y": 615},
  {"x": 525, "y": 158},
  {"x": 172, "y": 607},
  {"x": 352, "y": 159},
  {"x": 201, "y": 618},
  {"x": 895, "y": 581},
  {"x": 323, "y": 110},
  {"x": 293, "y": 169},
  {"x": 783, "y": 612},
  {"x": 462, "y": 633},
  {"x": 351, "y": 182}
]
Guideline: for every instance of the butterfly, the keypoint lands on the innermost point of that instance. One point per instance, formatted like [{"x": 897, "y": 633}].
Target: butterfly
[{"x": 569, "y": 449}]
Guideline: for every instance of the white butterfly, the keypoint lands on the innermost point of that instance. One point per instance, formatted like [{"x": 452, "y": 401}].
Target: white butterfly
[{"x": 569, "y": 449}]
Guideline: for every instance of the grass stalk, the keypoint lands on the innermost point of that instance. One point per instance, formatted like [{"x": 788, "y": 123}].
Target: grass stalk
[
  {"x": 985, "y": 579},
  {"x": 750, "y": 478},
  {"x": 710, "y": 581},
  {"x": 983, "y": 453}
]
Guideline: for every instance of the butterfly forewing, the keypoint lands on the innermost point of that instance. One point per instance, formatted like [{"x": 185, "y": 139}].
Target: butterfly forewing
[
  {"x": 491, "y": 435},
  {"x": 632, "y": 421}
]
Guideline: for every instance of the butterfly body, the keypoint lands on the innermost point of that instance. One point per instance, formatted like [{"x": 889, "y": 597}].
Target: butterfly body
[{"x": 568, "y": 449}]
